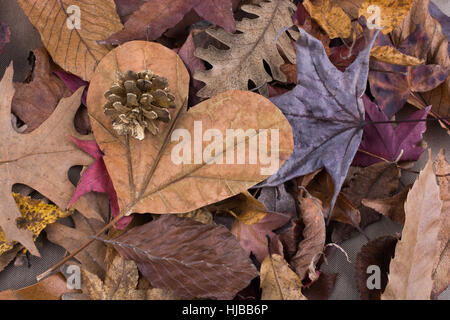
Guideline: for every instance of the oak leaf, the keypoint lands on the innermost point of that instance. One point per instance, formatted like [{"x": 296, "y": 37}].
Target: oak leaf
[
  {"x": 47, "y": 148},
  {"x": 74, "y": 48},
  {"x": 256, "y": 43},
  {"x": 144, "y": 174},
  {"x": 411, "y": 269},
  {"x": 188, "y": 258},
  {"x": 278, "y": 281}
]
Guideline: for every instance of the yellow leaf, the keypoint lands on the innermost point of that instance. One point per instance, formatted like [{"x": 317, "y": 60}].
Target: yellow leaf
[
  {"x": 278, "y": 281},
  {"x": 333, "y": 20},
  {"x": 391, "y": 13},
  {"x": 393, "y": 56},
  {"x": 36, "y": 215}
]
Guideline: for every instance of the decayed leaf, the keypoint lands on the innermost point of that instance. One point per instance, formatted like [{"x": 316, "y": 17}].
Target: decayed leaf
[
  {"x": 377, "y": 252},
  {"x": 437, "y": 52},
  {"x": 278, "y": 281},
  {"x": 333, "y": 20},
  {"x": 74, "y": 49},
  {"x": 120, "y": 282},
  {"x": 47, "y": 148},
  {"x": 144, "y": 173},
  {"x": 92, "y": 258},
  {"x": 441, "y": 271},
  {"x": 392, "y": 207},
  {"x": 310, "y": 248},
  {"x": 416, "y": 253},
  {"x": 393, "y": 56},
  {"x": 244, "y": 61},
  {"x": 154, "y": 17},
  {"x": 51, "y": 288},
  {"x": 36, "y": 215},
  {"x": 392, "y": 13},
  {"x": 187, "y": 257},
  {"x": 328, "y": 101},
  {"x": 34, "y": 102},
  {"x": 382, "y": 140}
]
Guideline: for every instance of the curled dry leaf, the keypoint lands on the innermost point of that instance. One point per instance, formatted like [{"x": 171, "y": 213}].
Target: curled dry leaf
[
  {"x": 149, "y": 175},
  {"x": 417, "y": 252},
  {"x": 377, "y": 252},
  {"x": 311, "y": 247},
  {"x": 278, "y": 281},
  {"x": 188, "y": 258},
  {"x": 35, "y": 101},
  {"x": 74, "y": 48},
  {"x": 26, "y": 151},
  {"x": 248, "y": 50}
]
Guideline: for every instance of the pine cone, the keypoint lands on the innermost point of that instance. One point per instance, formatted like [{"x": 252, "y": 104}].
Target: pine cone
[{"x": 136, "y": 101}]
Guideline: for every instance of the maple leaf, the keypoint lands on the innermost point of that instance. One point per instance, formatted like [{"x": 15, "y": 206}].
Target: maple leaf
[
  {"x": 34, "y": 101},
  {"x": 156, "y": 16},
  {"x": 381, "y": 139},
  {"x": 326, "y": 112},
  {"x": 254, "y": 45},
  {"x": 191, "y": 259},
  {"x": 5, "y": 34},
  {"x": 96, "y": 178},
  {"x": 46, "y": 148},
  {"x": 411, "y": 269}
]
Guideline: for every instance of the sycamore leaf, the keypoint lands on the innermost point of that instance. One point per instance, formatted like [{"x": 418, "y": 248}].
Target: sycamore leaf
[
  {"x": 150, "y": 175},
  {"x": 156, "y": 16},
  {"x": 191, "y": 259},
  {"x": 248, "y": 50},
  {"x": 35, "y": 101},
  {"x": 410, "y": 275},
  {"x": 36, "y": 215},
  {"x": 5, "y": 34},
  {"x": 47, "y": 148},
  {"x": 310, "y": 248},
  {"x": 328, "y": 101},
  {"x": 377, "y": 252},
  {"x": 278, "y": 281},
  {"x": 96, "y": 178},
  {"x": 74, "y": 48},
  {"x": 120, "y": 282},
  {"x": 388, "y": 143}
]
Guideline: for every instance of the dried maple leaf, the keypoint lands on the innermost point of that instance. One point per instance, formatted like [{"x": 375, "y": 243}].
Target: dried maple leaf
[
  {"x": 377, "y": 252},
  {"x": 191, "y": 259},
  {"x": 382, "y": 140},
  {"x": 74, "y": 48},
  {"x": 328, "y": 101},
  {"x": 5, "y": 34},
  {"x": 278, "y": 281},
  {"x": 156, "y": 16},
  {"x": 309, "y": 250},
  {"x": 410, "y": 275},
  {"x": 120, "y": 283},
  {"x": 35, "y": 101},
  {"x": 36, "y": 215},
  {"x": 248, "y": 50},
  {"x": 47, "y": 148},
  {"x": 144, "y": 173}
]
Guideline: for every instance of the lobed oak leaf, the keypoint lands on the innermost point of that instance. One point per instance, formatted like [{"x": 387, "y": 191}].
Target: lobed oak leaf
[{"x": 188, "y": 258}]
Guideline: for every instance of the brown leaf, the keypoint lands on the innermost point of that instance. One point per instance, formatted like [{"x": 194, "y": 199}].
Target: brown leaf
[
  {"x": 418, "y": 250},
  {"x": 322, "y": 288},
  {"x": 51, "y": 288},
  {"x": 278, "y": 281},
  {"x": 144, "y": 174},
  {"x": 392, "y": 13},
  {"x": 248, "y": 50},
  {"x": 310, "y": 248},
  {"x": 392, "y": 207},
  {"x": 377, "y": 252},
  {"x": 441, "y": 271},
  {"x": 7, "y": 257},
  {"x": 391, "y": 55},
  {"x": 47, "y": 148},
  {"x": 75, "y": 50},
  {"x": 191, "y": 259}
]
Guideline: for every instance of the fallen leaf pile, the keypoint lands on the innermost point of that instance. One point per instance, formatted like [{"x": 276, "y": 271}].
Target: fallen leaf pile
[{"x": 287, "y": 127}]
